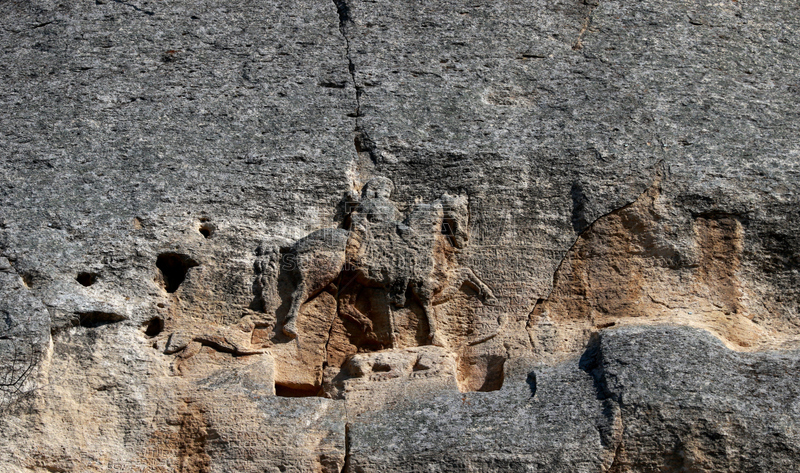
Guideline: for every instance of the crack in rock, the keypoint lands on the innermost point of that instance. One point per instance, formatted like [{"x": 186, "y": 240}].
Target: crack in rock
[{"x": 363, "y": 144}]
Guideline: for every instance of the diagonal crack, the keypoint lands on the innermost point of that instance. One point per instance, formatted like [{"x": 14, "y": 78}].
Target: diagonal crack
[
  {"x": 362, "y": 141},
  {"x": 660, "y": 173},
  {"x": 587, "y": 22}
]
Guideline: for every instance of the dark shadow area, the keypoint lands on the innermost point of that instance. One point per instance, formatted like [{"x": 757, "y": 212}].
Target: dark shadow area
[
  {"x": 495, "y": 374},
  {"x": 173, "y": 267},
  {"x": 154, "y": 327},
  {"x": 27, "y": 279},
  {"x": 420, "y": 366},
  {"x": 591, "y": 363},
  {"x": 206, "y": 229},
  {"x": 86, "y": 279},
  {"x": 98, "y": 319},
  {"x": 531, "y": 381},
  {"x": 579, "y": 201},
  {"x": 286, "y": 391}
]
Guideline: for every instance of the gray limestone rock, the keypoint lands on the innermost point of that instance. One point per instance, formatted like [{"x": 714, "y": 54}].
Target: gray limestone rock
[
  {"x": 608, "y": 192},
  {"x": 689, "y": 403},
  {"x": 638, "y": 399}
]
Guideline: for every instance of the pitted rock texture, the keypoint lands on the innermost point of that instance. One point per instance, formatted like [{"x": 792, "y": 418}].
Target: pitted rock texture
[
  {"x": 631, "y": 402},
  {"x": 621, "y": 169},
  {"x": 703, "y": 407}
]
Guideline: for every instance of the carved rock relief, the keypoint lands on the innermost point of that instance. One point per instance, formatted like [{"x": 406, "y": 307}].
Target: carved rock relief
[
  {"x": 382, "y": 284},
  {"x": 378, "y": 282}
]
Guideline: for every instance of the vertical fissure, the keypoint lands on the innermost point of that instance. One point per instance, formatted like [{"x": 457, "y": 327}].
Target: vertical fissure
[
  {"x": 346, "y": 466},
  {"x": 612, "y": 428},
  {"x": 362, "y": 142},
  {"x": 343, "y": 9}
]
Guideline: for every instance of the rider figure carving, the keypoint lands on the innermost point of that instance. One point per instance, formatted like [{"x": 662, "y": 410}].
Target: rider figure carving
[
  {"x": 375, "y": 218},
  {"x": 374, "y": 211},
  {"x": 380, "y": 251}
]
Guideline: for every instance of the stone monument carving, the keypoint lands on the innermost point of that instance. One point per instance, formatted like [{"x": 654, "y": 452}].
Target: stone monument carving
[{"x": 375, "y": 247}]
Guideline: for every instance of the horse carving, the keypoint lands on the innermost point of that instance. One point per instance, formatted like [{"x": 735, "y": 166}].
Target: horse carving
[{"x": 374, "y": 248}]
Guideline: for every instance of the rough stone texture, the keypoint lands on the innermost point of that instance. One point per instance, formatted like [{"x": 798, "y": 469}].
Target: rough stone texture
[
  {"x": 605, "y": 170},
  {"x": 543, "y": 419},
  {"x": 701, "y": 407},
  {"x": 25, "y": 335},
  {"x": 639, "y": 266},
  {"x": 630, "y": 403}
]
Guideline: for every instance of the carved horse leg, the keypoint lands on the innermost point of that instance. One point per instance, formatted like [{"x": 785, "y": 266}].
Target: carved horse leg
[
  {"x": 299, "y": 296},
  {"x": 347, "y": 308},
  {"x": 466, "y": 275},
  {"x": 435, "y": 336},
  {"x": 424, "y": 294}
]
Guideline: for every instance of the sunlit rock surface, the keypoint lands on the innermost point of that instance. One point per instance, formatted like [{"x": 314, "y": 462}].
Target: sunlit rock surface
[{"x": 399, "y": 236}]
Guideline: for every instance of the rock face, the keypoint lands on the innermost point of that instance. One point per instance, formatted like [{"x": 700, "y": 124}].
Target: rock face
[
  {"x": 366, "y": 236},
  {"x": 632, "y": 402}
]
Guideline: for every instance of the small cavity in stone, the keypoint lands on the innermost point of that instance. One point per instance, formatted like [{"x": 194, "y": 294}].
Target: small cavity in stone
[
  {"x": 154, "y": 327},
  {"x": 206, "y": 229},
  {"x": 86, "y": 279},
  {"x": 96, "y": 319},
  {"x": 173, "y": 268},
  {"x": 285, "y": 391}
]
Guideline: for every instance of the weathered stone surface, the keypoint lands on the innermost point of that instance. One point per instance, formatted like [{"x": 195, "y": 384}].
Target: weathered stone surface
[
  {"x": 631, "y": 402},
  {"x": 543, "y": 419},
  {"x": 25, "y": 335},
  {"x": 701, "y": 406},
  {"x": 642, "y": 265},
  {"x": 557, "y": 170}
]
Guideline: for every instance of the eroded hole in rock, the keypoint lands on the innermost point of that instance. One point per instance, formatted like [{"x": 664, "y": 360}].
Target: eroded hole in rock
[
  {"x": 98, "y": 319},
  {"x": 531, "y": 381},
  {"x": 381, "y": 368},
  {"x": 173, "y": 268},
  {"x": 481, "y": 372},
  {"x": 27, "y": 279},
  {"x": 154, "y": 327},
  {"x": 86, "y": 279},
  {"x": 420, "y": 365},
  {"x": 206, "y": 229},
  {"x": 302, "y": 391}
]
